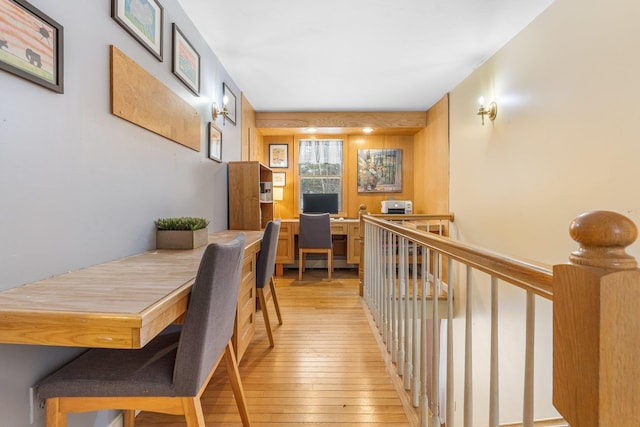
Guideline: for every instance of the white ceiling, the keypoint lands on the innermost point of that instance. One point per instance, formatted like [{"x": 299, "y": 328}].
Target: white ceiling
[{"x": 355, "y": 55}]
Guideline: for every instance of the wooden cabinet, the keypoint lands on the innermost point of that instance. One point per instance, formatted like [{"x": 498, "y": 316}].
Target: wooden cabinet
[
  {"x": 245, "y": 325},
  {"x": 250, "y": 195},
  {"x": 346, "y": 241},
  {"x": 285, "y": 253},
  {"x": 353, "y": 243}
]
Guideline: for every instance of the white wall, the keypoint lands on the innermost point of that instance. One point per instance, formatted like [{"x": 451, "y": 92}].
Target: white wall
[
  {"x": 565, "y": 142},
  {"x": 79, "y": 186}
]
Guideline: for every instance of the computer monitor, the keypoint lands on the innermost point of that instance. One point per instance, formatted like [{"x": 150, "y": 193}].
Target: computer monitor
[{"x": 320, "y": 203}]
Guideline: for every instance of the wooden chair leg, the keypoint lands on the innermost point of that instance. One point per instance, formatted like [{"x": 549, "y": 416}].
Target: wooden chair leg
[
  {"x": 236, "y": 384},
  {"x": 274, "y": 297},
  {"x": 193, "y": 411},
  {"x": 300, "y": 264},
  {"x": 129, "y": 416},
  {"x": 330, "y": 262},
  {"x": 265, "y": 314},
  {"x": 55, "y": 418}
]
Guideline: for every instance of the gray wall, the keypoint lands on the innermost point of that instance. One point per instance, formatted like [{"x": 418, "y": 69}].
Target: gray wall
[{"x": 79, "y": 186}]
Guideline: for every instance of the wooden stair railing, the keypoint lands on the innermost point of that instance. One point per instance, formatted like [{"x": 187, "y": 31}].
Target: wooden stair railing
[{"x": 596, "y": 318}]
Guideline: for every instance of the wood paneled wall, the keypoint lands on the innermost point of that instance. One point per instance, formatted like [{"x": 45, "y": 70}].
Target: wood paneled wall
[
  {"x": 287, "y": 207},
  {"x": 431, "y": 168},
  {"x": 251, "y": 139},
  {"x": 425, "y": 152},
  {"x": 373, "y": 200}
]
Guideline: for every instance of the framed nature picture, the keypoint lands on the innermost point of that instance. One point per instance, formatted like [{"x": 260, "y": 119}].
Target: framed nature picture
[
  {"x": 379, "y": 170},
  {"x": 231, "y": 103},
  {"x": 279, "y": 179},
  {"x": 278, "y": 156},
  {"x": 186, "y": 61},
  {"x": 31, "y": 44},
  {"x": 144, "y": 20},
  {"x": 215, "y": 143}
]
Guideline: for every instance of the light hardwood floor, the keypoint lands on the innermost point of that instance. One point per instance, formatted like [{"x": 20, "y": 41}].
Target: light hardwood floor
[{"x": 325, "y": 370}]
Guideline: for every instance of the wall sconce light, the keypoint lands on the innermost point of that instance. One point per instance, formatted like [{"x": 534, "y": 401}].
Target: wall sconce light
[
  {"x": 215, "y": 111},
  {"x": 491, "y": 112}
]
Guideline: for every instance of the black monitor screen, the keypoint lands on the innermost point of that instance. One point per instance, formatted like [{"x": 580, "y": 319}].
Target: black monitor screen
[{"x": 320, "y": 203}]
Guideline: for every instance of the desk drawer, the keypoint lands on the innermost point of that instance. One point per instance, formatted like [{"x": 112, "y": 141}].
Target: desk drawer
[
  {"x": 338, "y": 228},
  {"x": 245, "y": 314}
]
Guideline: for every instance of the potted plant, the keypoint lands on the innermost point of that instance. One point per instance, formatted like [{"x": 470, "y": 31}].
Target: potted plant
[{"x": 181, "y": 233}]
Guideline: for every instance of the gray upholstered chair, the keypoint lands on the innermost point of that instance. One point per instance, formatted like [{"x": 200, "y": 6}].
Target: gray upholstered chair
[
  {"x": 265, "y": 268},
  {"x": 314, "y": 237},
  {"x": 169, "y": 374}
]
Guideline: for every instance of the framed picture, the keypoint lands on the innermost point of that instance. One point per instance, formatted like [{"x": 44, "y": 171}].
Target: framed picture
[
  {"x": 278, "y": 156},
  {"x": 186, "y": 61},
  {"x": 231, "y": 103},
  {"x": 31, "y": 44},
  {"x": 279, "y": 179},
  {"x": 379, "y": 171},
  {"x": 215, "y": 143},
  {"x": 144, "y": 20}
]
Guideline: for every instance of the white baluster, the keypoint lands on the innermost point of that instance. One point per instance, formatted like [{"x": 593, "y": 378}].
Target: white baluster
[
  {"x": 450, "y": 291},
  {"x": 435, "y": 344},
  {"x": 468, "y": 356},
  {"x": 527, "y": 411},
  {"x": 494, "y": 391}
]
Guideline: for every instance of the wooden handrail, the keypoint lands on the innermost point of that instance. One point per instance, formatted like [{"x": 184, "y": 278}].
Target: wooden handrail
[
  {"x": 528, "y": 275},
  {"x": 596, "y": 322},
  {"x": 415, "y": 217}
]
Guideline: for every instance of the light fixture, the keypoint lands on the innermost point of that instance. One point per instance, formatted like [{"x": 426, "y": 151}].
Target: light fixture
[
  {"x": 278, "y": 196},
  {"x": 491, "y": 112},
  {"x": 367, "y": 130},
  {"x": 215, "y": 111}
]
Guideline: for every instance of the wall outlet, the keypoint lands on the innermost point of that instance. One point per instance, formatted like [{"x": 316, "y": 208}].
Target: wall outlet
[{"x": 37, "y": 406}]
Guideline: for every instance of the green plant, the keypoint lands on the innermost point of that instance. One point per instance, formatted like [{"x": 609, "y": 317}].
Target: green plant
[{"x": 182, "y": 223}]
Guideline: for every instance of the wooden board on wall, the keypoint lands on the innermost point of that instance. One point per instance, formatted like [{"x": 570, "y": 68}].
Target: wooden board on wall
[{"x": 140, "y": 98}]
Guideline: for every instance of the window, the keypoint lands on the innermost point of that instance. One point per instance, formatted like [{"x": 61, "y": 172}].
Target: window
[{"x": 320, "y": 168}]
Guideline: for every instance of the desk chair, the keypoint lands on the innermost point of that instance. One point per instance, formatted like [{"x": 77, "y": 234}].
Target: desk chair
[
  {"x": 169, "y": 374},
  {"x": 314, "y": 237},
  {"x": 265, "y": 269}
]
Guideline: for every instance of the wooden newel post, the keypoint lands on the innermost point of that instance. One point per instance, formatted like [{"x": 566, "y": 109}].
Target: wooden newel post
[{"x": 596, "y": 325}]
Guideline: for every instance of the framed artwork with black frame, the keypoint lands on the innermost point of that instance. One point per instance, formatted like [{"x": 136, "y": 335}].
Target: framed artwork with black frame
[
  {"x": 144, "y": 22},
  {"x": 278, "y": 156},
  {"x": 215, "y": 143},
  {"x": 31, "y": 44},
  {"x": 186, "y": 61},
  {"x": 231, "y": 103}
]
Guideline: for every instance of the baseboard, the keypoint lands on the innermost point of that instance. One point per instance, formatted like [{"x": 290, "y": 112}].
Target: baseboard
[
  {"x": 118, "y": 421},
  {"x": 322, "y": 264}
]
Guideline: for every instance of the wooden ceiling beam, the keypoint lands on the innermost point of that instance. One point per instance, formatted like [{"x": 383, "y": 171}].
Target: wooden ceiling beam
[{"x": 398, "y": 120}]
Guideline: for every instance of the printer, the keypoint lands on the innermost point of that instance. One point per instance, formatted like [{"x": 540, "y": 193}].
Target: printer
[{"x": 397, "y": 207}]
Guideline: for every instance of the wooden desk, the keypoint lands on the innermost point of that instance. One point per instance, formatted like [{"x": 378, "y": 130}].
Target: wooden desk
[
  {"x": 289, "y": 228},
  {"x": 122, "y": 303}
]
